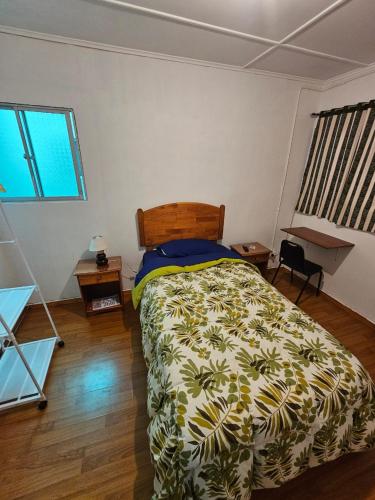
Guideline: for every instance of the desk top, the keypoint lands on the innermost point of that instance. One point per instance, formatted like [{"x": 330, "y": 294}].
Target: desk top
[
  {"x": 318, "y": 238},
  {"x": 89, "y": 266}
]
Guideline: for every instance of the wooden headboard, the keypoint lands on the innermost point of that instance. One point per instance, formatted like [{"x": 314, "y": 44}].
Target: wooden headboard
[{"x": 180, "y": 221}]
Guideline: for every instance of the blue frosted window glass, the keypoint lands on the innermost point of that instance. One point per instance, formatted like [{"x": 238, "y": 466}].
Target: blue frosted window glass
[
  {"x": 52, "y": 153},
  {"x": 39, "y": 154},
  {"x": 14, "y": 171}
]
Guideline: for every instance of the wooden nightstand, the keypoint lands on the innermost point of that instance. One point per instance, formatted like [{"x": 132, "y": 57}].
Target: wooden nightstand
[
  {"x": 258, "y": 255},
  {"x": 99, "y": 283}
]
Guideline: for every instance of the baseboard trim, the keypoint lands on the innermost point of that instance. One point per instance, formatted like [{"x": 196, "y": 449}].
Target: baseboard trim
[
  {"x": 347, "y": 309},
  {"x": 127, "y": 297},
  {"x": 342, "y": 306},
  {"x": 126, "y": 294},
  {"x": 54, "y": 303}
]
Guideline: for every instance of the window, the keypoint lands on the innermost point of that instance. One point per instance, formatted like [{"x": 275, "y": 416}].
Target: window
[
  {"x": 339, "y": 179},
  {"x": 39, "y": 154}
]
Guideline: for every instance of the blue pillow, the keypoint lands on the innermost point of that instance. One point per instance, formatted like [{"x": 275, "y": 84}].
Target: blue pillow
[{"x": 184, "y": 248}]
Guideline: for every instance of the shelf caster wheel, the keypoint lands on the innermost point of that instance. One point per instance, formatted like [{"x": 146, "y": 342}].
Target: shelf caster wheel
[
  {"x": 61, "y": 343},
  {"x": 43, "y": 405}
]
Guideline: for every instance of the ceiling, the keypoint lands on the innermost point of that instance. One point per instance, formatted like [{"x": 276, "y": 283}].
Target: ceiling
[{"x": 308, "y": 38}]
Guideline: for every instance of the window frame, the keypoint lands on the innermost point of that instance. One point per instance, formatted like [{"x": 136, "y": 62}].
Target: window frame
[{"x": 19, "y": 110}]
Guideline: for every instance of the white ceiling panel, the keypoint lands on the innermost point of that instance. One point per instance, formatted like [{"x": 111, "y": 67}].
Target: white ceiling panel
[
  {"x": 272, "y": 19},
  {"x": 348, "y": 32},
  {"x": 100, "y": 23},
  {"x": 295, "y": 63},
  {"x": 345, "y": 32}
]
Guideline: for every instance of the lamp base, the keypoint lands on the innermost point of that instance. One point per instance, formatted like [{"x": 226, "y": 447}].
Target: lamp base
[{"x": 101, "y": 259}]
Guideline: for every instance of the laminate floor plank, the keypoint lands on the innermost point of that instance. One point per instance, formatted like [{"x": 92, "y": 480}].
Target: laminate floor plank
[{"x": 91, "y": 441}]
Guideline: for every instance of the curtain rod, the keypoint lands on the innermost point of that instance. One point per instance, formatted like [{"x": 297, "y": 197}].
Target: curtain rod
[{"x": 345, "y": 109}]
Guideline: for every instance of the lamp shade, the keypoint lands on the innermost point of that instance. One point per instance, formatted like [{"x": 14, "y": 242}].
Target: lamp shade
[
  {"x": 98, "y": 244},
  {"x": 2, "y": 189}
]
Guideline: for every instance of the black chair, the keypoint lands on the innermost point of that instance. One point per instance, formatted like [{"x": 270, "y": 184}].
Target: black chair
[{"x": 292, "y": 255}]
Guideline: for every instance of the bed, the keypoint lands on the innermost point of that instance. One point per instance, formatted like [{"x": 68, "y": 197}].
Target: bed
[{"x": 245, "y": 391}]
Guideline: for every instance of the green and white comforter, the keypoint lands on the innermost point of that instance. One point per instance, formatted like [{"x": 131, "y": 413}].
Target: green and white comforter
[{"x": 245, "y": 390}]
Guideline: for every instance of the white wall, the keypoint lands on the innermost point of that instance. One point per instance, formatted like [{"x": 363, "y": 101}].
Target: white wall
[
  {"x": 299, "y": 147},
  {"x": 349, "y": 274},
  {"x": 151, "y": 132}
]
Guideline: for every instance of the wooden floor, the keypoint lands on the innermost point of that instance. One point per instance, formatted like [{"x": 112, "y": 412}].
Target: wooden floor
[{"x": 91, "y": 440}]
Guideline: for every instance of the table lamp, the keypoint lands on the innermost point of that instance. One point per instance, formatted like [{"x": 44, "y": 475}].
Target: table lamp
[
  {"x": 2, "y": 189},
  {"x": 98, "y": 245}
]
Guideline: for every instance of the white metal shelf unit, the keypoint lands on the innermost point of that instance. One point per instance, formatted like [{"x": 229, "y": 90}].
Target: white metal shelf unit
[
  {"x": 23, "y": 367},
  {"x": 18, "y": 386},
  {"x": 12, "y": 303}
]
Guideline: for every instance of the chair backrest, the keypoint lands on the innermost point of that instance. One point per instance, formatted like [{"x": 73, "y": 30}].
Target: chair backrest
[{"x": 292, "y": 254}]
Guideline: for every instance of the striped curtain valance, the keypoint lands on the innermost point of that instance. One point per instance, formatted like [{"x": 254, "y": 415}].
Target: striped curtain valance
[{"x": 339, "y": 179}]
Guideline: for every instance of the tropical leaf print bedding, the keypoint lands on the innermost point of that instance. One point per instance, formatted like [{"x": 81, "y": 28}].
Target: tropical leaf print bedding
[{"x": 245, "y": 390}]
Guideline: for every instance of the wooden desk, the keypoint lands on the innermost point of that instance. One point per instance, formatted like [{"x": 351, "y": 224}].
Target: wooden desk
[{"x": 321, "y": 239}]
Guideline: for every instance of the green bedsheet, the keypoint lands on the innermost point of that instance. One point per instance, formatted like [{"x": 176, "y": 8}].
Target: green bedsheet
[{"x": 245, "y": 390}]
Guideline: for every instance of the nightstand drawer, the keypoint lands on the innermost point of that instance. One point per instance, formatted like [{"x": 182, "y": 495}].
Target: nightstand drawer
[
  {"x": 94, "y": 279},
  {"x": 258, "y": 258}
]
